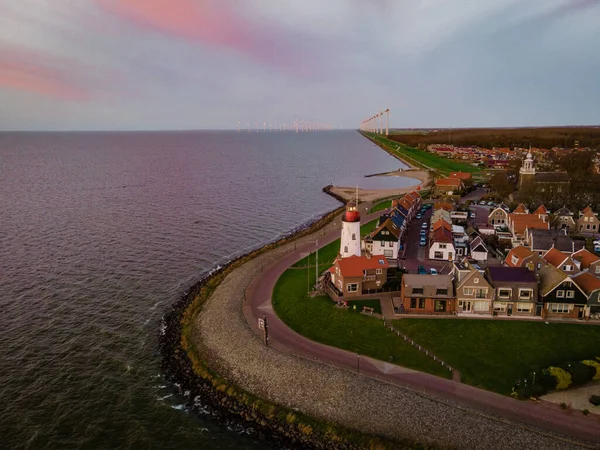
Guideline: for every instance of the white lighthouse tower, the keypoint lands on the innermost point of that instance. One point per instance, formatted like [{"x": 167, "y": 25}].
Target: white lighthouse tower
[{"x": 350, "y": 240}]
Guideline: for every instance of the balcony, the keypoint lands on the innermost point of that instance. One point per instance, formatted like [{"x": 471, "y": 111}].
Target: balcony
[{"x": 369, "y": 277}]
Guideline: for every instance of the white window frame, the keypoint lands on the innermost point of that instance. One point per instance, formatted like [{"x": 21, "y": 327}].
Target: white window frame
[
  {"x": 598, "y": 268},
  {"x": 560, "y": 293},
  {"x": 476, "y": 281},
  {"x": 524, "y": 307},
  {"x": 521, "y": 297},
  {"x": 567, "y": 268},
  {"x": 509, "y": 290},
  {"x": 354, "y": 287},
  {"x": 378, "y": 271},
  {"x": 500, "y": 306},
  {"x": 442, "y": 246},
  {"x": 514, "y": 259},
  {"x": 468, "y": 291},
  {"x": 559, "y": 307},
  {"x": 571, "y": 294}
]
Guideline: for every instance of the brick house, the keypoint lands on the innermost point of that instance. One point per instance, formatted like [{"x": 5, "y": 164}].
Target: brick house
[
  {"x": 523, "y": 257},
  {"x": 448, "y": 185},
  {"x": 474, "y": 295},
  {"x": 561, "y": 261},
  {"x": 560, "y": 295},
  {"x": 515, "y": 291},
  {"x": 562, "y": 219},
  {"x": 588, "y": 221},
  {"x": 587, "y": 261},
  {"x": 427, "y": 294},
  {"x": 355, "y": 275}
]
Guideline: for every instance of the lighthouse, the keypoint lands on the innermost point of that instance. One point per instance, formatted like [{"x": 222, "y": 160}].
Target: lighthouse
[{"x": 350, "y": 240}]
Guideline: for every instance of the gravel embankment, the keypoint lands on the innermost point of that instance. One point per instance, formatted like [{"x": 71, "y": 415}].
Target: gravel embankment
[{"x": 233, "y": 350}]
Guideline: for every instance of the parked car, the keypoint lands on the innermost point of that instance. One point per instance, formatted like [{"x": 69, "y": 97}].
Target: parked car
[
  {"x": 482, "y": 202},
  {"x": 491, "y": 204},
  {"x": 418, "y": 216},
  {"x": 421, "y": 270},
  {"x": 423, "y": 233},
  {"x": 472, "y": 215},
  {"x": 433, "y": 271},
  {"x": 424, "y": 225},
  {"x": 423, "y": 241}
]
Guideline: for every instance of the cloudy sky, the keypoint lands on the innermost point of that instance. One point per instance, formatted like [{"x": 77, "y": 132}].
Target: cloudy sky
[{"x": 192, "y": 64}]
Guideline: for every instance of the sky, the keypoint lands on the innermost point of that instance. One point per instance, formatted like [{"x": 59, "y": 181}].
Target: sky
[{"x": 209, "y": 64}]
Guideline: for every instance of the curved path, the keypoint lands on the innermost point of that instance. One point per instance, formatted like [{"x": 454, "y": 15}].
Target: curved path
[{"x": 522, "y": 414}]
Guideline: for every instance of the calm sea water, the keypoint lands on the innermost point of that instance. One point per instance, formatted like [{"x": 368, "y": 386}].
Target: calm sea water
[{"x": 101, "y": 232}]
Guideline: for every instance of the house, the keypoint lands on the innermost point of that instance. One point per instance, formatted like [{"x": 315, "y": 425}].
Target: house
[
  {"x": 521, "y": 209},
  {"x": 515, "y": 291},
  {"x": 441, "y": 214},
  {"x": 499, "y": 216},
  {"x": 561, "y": 261},
  {"x": 542, "y": 212},
  {"x": 588, "y": 221},
  {"x": 427, "y": 294},
  {"x": 471, "y": 233},
  {"x": 591, "y": 286},
  {"x": 415, "y": 198},
  {"x": 447, "y": 206},
  {"x": 541, "y": 241},
  {"x": 560, "y": 295},
  {"x": 407, "y": 208},
  {"x": 588, "y": 261},
  {"x": 519, "y": 223},
  {"x": 462, "y": 176},
  {"x": 474, "y": 295},
  {"x": 442, "y": 245},
  {"x": 355, "y": 275},
  {"x": 562, "y": 219},
  {"x": 440, "y": 223},
  {"x": 478, "y": 250},
  {"x": 523, "y": 257},
  {"x": 448, "y": 185},
  {"x": 384, "y": 240}
]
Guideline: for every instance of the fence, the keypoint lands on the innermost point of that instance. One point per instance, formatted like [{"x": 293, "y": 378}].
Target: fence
[{"x": 417, "y": 346}]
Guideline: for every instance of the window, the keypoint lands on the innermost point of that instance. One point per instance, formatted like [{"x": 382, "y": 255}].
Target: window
[
  {"x": 439, "y": 306},
  {"x": 353, "y": 236},
  {"x": 514, "y": 260},
  {"x": 442, "y": 246},
  {"x": 480, "y": 293},
  {"x": 468, "y": 291},
  {"x": 499, "y": 306},
  {"x": 504, "y": 293},
  {"x": 345, "y": 249},
  {"x": 567, "y": 267},
  {"x": 421, "y": 303},
  {"x": 438, "y": 255},
  {"x": 390, "y": 244},
  {"x": 417, "y": 291},
  {"x": 413, "y": 303},
  {"x": 378, "y": 271},
  {"x": 585, "y": 219},
  {"x": 560, "y": 294},
  {"x": 352, "y": 287},
  {"x": 570, "y": 294},
  {"x": 524, "y": 307},
  {"x": 476, "y": 281},
  {"x": 441, "y": 292},
  {"x": 597, "y": 269},
  {"x": 525, "y": 294},
  {"x": 378, "y": 283},
  {"x": 558, "y": 308}
]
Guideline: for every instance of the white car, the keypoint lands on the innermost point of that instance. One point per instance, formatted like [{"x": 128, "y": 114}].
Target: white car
[{"x": 432, "y": 271}]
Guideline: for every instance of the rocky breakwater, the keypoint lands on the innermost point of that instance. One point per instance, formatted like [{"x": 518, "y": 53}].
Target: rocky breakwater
[{"x": 207, "y": 391}]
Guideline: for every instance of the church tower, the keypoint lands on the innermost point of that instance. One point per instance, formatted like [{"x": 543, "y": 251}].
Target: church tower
[
  {"x": 350, "y": 240},
  {"x": 527, "y": 173}
]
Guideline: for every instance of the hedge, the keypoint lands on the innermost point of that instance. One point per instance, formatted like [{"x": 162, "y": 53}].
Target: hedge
[{"x": 561, "y": 376}]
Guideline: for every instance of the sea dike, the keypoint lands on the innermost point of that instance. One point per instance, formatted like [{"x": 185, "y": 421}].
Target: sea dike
[{"x": 203, "y": 396}]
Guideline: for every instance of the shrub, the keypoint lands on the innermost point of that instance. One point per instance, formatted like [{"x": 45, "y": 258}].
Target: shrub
[
  {"x": 585, "y": 412},
  {"x": 595, "y": 365},
  {"x": 580, "y": 373},
  {"x": 547, "y": 380},
  {"x": 563, "y": 378},
  {"x": 595, "y": 400}
]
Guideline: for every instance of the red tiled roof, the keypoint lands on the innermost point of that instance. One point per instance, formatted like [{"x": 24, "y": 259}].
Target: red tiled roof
[
  {"x": 520, "y": 252},
  {"x": 587, "y": 282},
  {"x": 585, "y": 257},
  {"x": 520, "y": 209},
  {"x": 522, "y": 222},
  {"x": 454, "y": 182},
  {"x": 587, "y": 211},
  {"x": 353, "y": 266},
  {"x": 461, "y": 175},
  {"x": 555, "y": 257},
  {"x": 541, "y": 210},
  {"x": 441, "y": 235},
  {"x": 443, "y": 205},
  {"x": 441, "y": 223}
]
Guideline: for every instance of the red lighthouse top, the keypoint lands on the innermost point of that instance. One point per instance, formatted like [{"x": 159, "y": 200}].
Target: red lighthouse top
[{"x": 351, "y": 214}]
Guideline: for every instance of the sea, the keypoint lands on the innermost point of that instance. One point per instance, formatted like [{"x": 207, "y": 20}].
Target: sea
[{"x": 101, "y": 232}]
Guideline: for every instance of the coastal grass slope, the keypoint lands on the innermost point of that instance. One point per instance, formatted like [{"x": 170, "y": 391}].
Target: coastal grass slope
[
  {"x": 419, "y": 158},
  {"x": 493, "y": 354}
]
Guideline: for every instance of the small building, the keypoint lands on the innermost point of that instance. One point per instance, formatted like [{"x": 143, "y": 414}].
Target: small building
[
  {"x": 448, "y": 185},
  {"x": 355, "y": 275},
  {"x": 523, "y": 257},
  {"x": 516, "y": 291},
  {"x": 521, "y": 209},
  {"x": 541, "y": 241},
  {"x": 474, "y": 295},
  {"x": 442, "y": 245},
  {"x": 562, "y": 219},
  {"x": 519, "y": 223},
  {"x": 588, "y": 221},
  {"x": 587, "y": 261},
  {"x": 384, "y": 240},
  {"x": 560, "y": 295},
  {"x": 479, "y": 251},
  {"x": 542, "y": 212},
  {"x": 427, "y": 294},
  {"x": 462, "y": 176},
  {"x": 561, "y": 261},
  {"x": 499, "y": 216},
  {"x": 590, "y": 285}
]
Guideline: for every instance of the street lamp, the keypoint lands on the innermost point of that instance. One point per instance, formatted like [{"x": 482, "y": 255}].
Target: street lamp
[{"x": 357, "y": 363}]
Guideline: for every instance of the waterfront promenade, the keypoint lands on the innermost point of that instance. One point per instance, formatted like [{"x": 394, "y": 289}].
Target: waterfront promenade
[{"x": 358, "y": 392}]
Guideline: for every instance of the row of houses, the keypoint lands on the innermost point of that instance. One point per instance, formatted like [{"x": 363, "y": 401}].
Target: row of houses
[
  {"x": 448, "y": 240},
  {"x": 501, "y": 291}
]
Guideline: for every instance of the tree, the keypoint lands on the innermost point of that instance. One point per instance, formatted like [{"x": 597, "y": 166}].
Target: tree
[{"x": 500, "y": 183}]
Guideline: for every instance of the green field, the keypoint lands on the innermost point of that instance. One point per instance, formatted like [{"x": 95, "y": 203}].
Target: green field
[
  {"x": 421, "y": 158},
  {"x": 328, "y": 253},
  {"x": 318, "y": 319},
  {"x": 494, "y": 354},
  {"x": 381, "y": 206}
]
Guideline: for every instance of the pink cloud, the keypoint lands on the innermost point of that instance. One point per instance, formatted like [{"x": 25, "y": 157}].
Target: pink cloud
[
  {"x": 31, "y": 72},
  {"x": 207, "y": 21}
]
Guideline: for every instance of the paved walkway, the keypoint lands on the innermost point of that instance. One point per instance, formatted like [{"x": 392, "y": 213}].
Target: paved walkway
[{"x": 258, "y": 304}]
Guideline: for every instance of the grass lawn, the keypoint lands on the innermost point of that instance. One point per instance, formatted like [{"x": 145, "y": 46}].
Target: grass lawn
[
  {"x": 328, "y": 253},
  {"x": 493, "y": 354},
  {"x": 381, "y": 206},
  {"x": 372, "y": 303},
  {"x": 422, "y": 157},
  {"x": 318, "y": 319}
]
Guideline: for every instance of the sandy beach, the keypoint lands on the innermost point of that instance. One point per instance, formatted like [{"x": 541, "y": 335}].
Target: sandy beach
[{"x": 421, "y": 178}]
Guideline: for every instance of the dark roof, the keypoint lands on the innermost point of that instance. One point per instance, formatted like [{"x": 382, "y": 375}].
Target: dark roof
[
  {"x": 545, "y": 239},
  {"x": 552, "y": 177},
  {"x": 511, "y": 274},
  {"x": 564, "y": 244},
  {"x": 563, "y": 212},
  {"x": 398, "y": 220},
  {"x": 401, "y": 209}
]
